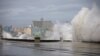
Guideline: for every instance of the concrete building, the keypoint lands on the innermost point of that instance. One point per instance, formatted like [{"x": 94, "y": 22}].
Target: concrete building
[
  {"x": 43, "y": 24},
  {"x": 41, "y": 27}
]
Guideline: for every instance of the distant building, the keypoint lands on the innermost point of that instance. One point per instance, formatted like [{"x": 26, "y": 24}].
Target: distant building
[
  {"x": 27, "y": 30},
  {"x": 8, "y": 28},
  {"x": 20, "y": 30},
  {"x": 1, "y": 31},
  {"x": 23, "y": 30},
  {"x": 43, "y": 24},
  {"x": 41, "y": 27}
]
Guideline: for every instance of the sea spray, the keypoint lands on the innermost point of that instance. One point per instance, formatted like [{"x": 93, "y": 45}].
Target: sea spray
[
  {"x": 86, "y": 25},
  {"x": 59, "y": 30}
]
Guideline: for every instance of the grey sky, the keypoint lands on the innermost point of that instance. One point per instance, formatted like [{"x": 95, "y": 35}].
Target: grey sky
[{"x": 23, "y": 12}]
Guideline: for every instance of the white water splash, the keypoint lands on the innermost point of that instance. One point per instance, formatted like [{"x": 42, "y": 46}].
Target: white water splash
[
  {"x": 6, "y": 35},
  {"x": 59, "y": 30},
  {"x": 86, "y": 25}
]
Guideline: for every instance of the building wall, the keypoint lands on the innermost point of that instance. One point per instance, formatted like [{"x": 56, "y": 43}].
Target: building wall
[
  {"x": 41, "y": 27},
  {"x": 43, "y": 24}
]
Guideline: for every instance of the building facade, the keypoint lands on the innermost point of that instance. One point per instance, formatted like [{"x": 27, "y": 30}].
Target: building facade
[{"x": 40, "y": 28}]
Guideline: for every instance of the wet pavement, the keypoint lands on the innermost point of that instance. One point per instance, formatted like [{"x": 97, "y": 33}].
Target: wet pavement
[{"x": 13, "y": 48}]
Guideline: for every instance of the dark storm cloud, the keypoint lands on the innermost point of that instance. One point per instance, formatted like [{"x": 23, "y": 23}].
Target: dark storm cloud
[{"x": 16, "y": 11}]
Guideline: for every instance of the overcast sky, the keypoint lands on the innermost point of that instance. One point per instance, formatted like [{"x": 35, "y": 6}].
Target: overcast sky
[{"x": 23, "y": 12}]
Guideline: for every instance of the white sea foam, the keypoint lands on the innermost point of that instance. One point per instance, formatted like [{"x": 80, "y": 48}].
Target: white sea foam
[{"x": 86, "y": 25}]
